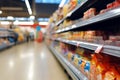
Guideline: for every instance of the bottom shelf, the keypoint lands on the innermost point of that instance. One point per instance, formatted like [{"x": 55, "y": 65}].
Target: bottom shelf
[
  {"x": 4, "y": 46},
  {"x": 72, "y": 70}
]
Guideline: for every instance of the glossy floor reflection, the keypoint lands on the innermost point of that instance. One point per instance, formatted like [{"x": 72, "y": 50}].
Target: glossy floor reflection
[{"x": 30, "y": 61}]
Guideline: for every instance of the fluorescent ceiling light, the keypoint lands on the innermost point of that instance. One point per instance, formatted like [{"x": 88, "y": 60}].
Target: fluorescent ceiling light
[
  {"x": 10, "y": 18},
  {"x": 5, "y": 22},
  {"x": 22, "y": 18},
  {"x": 43, "y": 23},
  {"x": 23, "y": 23},
  {"x": 28, "y": 7},
  {"x": 32, "y": 17},
  {"x": 0, "y": 12}
]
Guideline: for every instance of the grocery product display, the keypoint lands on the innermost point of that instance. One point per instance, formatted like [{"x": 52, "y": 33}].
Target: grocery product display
[
  {"x": 98, "y": 37},
  {"x": 91, "y": 65},
  {"x": 10, "y": 37},
  {"x": 87, "y": 44},
  {"x": 5, "y": 34},
  {"x": 90, "y": 16}
]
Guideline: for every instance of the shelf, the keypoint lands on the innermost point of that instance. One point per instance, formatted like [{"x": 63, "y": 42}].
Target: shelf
[
  {"x": 107, "y": 49},
  {"x": 4, "y": 46},
  {"x": 70, "y": 13},
  {"x": 74, "y": 72},
  {"x": 98, "y": 18},
  {"x": 6, "y": 36}
]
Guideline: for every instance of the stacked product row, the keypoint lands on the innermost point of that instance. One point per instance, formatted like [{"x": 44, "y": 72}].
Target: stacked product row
[
  {"x": 88, "y": 38},
  {"x": 62, "y": 11},
  {"x": 94, "y": 66},
  {"x": 99, "y": 37},
  {"x": 86, "y": 15}
]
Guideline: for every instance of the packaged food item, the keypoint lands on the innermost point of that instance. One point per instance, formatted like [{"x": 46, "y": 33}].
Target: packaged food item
[
  {"x": 102, "y": 11},
  {"x": 76, "y": 59},
  {"x": 86, "y": 15},
  {"x": 116, "y": 4},
  {"x": 87, "y": 68},
  {"x": 93, "y": 67},
  {"x": 73, "y": 4},
  {"x": 89, "y": 13},
  {"x": 89, "y": 36},
  {"x": 111, "y": 74},
  {"x": 79, "y": 1},
  {"x": 80, "y": 61},
  {"x": 60, "y": 14},
  {"x": 110, "y": 5},
  {"x": 92, "y": 12},
  {"x": 65, "y": 10},
  {"x": 80, "y": 51},
  {"x": 70, "y": 56},
  {"x": 81, "y": 67}
]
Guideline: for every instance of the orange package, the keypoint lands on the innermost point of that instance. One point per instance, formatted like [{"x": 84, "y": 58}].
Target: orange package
[
  {"x": 116, "y": 3},
  {"x": 111, "y": 74},
  {"x": 92, "y": 12},
  {"x": 98, "y": 67}
]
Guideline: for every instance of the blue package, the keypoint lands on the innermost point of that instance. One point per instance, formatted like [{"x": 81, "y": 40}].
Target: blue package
[
  {"x": 87, "y": 67},
  {"x": 80, "y": 62}
]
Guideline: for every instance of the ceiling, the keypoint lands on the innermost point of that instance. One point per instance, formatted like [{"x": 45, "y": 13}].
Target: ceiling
[{"x": 17, "y": 8}]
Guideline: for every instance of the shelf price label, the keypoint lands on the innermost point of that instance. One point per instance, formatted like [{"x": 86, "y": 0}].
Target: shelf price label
[
  {"x": 99, "y": 49},
  {"x": 78, "y": 44},
  {"x": 73, "y": 26}
]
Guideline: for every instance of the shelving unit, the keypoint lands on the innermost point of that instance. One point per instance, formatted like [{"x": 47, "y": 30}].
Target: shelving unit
[
  {"x": 98, "y": 18},
  {"x": 85, "y": 25},
  {"x": 7, "y": 33}
]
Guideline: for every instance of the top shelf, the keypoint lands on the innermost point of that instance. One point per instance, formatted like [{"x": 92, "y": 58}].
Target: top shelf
[
  {"x": 98, "y": 18},
  {"x": 73, "y": 11}
]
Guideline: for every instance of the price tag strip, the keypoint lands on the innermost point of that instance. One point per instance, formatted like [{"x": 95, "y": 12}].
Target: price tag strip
[
  {"x": 78, "y": 45},
  {"x": 99, "y": 49}
]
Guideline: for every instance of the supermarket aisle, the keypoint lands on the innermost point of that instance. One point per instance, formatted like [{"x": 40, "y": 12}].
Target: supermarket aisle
[{"x": 32, "y": 61}]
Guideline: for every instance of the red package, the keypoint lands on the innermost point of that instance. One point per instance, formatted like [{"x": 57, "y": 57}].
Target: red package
[
  {"x": 118, "y": 1},
  {"x": 109, "y": 6},
  {"x": 116, "y": 4}
]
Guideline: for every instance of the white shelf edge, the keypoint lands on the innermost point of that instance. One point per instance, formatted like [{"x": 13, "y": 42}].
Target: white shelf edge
[{"x": 107, "y": 49}]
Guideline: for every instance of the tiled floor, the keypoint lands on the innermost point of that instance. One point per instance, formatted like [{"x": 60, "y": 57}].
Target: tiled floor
[{"x": 30, "y": 61}]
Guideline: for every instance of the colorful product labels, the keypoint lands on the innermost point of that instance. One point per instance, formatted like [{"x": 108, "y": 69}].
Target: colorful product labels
[
  {"x": 78, "y": 1},
  {"x": 87, "y": 67},
  {"x": 72, "y": 58},
  {"x": 80, "y": 62}
]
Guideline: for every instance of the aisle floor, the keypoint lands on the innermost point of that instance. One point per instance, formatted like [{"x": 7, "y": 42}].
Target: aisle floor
[{"x": 30, "y": 61}]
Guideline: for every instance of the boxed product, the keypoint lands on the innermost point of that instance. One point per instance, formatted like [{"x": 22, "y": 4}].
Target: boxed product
[
  {"x": 76, "y": 59},
  {"x": 65, "y": 9},
  {"x": 72, "y": 4},
  {"x": 89, "y": 13},
  {"x": 70, "y": 56}
]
